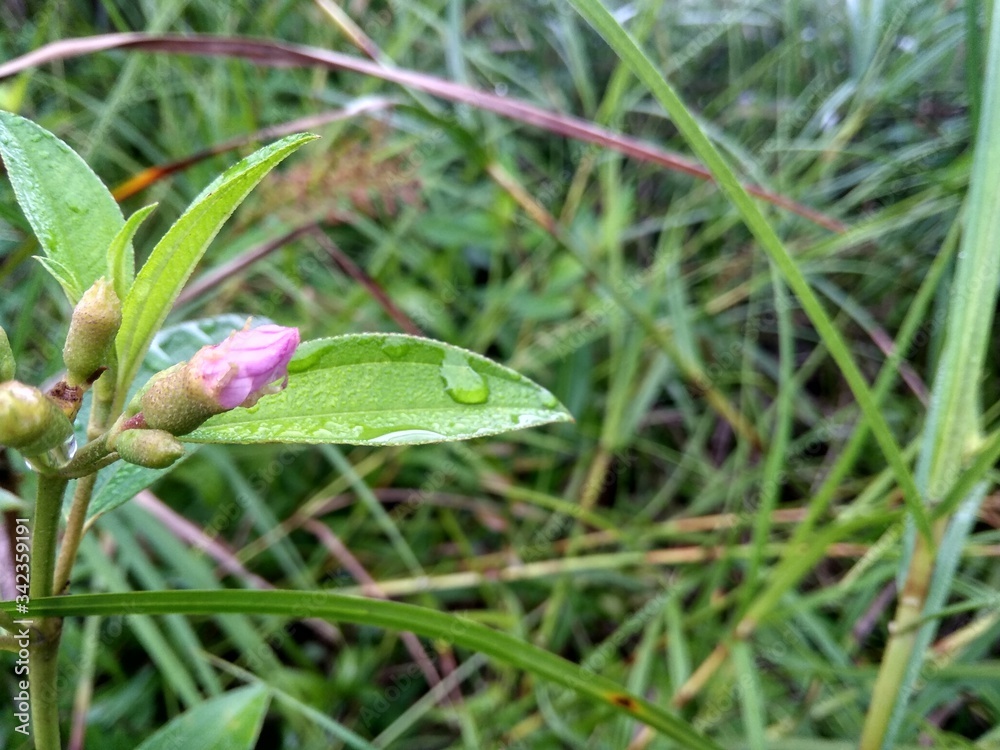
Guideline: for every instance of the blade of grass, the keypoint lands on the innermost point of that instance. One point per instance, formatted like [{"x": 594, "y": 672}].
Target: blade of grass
[
  {"x": 623, "y": 45},
  {"x": 276, "y": 54},
  {"x": 953, "y": 423},
  {"x": 150, "y": 176},
  {"x": 461, "y": 631}
]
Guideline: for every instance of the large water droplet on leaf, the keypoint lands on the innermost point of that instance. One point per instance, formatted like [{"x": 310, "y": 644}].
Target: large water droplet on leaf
[
  {"x": 56, "y": 458},
  {"x": 463, "y": 384}
]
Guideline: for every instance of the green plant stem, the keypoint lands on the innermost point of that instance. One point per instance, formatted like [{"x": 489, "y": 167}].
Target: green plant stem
[
  {"x": 953, "y": 428},
  {"x": 43, "y": 538},
  {"x": 100, "y": 414},
  {"x": 44, "y": 662},
  {"x": 74, "y": 531},
  {"x": 48, "y": 576},
  {"x": 902, "y": 639}
]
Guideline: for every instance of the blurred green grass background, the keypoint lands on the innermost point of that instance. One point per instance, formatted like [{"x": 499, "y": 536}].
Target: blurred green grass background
[{"x": 632, "y": 541}]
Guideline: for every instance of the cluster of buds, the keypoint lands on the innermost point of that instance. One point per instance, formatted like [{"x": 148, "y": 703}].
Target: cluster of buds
[
  {"x": 247, "y": 366},
  {"x": 40, "y": 425}
]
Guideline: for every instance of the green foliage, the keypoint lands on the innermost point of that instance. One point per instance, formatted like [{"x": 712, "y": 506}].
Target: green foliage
[
  {"x": 749, "y": 584},
  {"x": 387, "y": 389},
  {"x": 121, "y": 255},
  {"x": 457, "y": 630},
  {"x": 228, "y": 722},
  {"x": 72, "y": 214},
  {"x": 151, "y": 296}
]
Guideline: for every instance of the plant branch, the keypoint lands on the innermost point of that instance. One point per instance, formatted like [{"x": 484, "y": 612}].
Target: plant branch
[{"x": 44, "y": 666}]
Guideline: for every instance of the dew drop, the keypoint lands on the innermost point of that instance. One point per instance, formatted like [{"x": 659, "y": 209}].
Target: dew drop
[
  {"x": 56, "y": 458},
  {"x": 463, "y": 384}
]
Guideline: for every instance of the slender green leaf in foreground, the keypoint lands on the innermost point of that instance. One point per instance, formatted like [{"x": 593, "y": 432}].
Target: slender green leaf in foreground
[
  {"x": 381, "y": 389},
  {"x": 452, "y": 628}
]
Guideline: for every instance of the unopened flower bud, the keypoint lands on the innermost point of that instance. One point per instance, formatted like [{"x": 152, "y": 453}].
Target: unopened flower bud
[
  {"x": 96, "y": 319},
  {"x": 238, "y": 372},
  {"x": 7, "y": 364},
  {"x": 154, "y": 449},
  {"x": 30, "y": 421}
]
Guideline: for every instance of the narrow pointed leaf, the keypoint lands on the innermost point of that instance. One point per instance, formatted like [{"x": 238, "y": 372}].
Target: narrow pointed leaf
[
  {"x": 231, "y": 721},
  {"x": 121, "y": 254},
  {"x": 174, "y": 258}
]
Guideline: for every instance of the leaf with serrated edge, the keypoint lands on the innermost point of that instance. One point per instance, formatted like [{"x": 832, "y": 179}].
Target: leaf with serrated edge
[
  {"x": 382, "y": 389},
  {"x": 175, "y": 256},
  {"x": 69, "y": 208}
]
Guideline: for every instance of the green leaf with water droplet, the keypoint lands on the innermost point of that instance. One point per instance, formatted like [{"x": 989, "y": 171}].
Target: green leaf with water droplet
[
  {"x": 387, "y": 389},
  {"x": 70, "y": 210}
]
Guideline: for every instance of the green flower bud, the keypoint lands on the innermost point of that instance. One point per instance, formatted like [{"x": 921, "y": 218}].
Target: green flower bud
[
  {"x": 154, "y": 449},
  {"x": 7, "y": 364},
  {"x": 30, "y": 421},
  {"x": 174, "y": 402},
  {"x": 96, "y": 319}
]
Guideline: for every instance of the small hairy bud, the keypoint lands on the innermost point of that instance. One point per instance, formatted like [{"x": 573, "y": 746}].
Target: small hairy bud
[
  {"x": 29, "y": 421},
  {"x": 8, "y": 367},
  {"x": 96, "y": 319},
  {"x": 154, "y": 449},
  {"x": 247, "y": 366}
]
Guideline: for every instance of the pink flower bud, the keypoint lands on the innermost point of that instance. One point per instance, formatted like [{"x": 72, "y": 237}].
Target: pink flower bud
[{"x": 239, "y": 371}]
